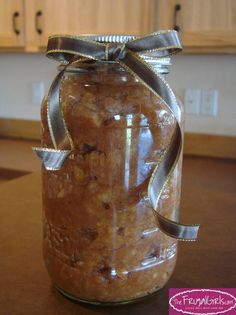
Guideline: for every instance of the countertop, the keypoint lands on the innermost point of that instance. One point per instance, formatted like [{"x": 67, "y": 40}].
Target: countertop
[
  {"x": 209, "y": 198},
  {"x": 16, "y": 154}
]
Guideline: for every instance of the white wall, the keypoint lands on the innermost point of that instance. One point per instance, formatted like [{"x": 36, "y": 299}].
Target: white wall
[
  {"x": 208, "y": 71},
  {"x": 18, "y": 71}
]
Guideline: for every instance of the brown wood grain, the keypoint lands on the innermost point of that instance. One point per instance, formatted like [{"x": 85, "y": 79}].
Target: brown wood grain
[
  {"x": 17, "y": 155},
  {"x": 210, "y": 145},
  {"x": 8, "y": 36},
  {"x": 206, "y": 26},
  {"x": 19, "y": 128},
  {"x": 87, "y": 17}
]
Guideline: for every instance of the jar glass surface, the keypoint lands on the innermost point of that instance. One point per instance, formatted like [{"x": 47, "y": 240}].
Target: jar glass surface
[{"x": 101, "y": 243}]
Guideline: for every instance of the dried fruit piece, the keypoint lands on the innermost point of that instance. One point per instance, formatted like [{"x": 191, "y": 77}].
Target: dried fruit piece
[{"x": 89, "y": 234}]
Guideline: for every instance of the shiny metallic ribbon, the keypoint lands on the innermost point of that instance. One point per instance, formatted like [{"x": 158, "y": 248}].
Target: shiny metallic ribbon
[{"x": 130, "y": 54}]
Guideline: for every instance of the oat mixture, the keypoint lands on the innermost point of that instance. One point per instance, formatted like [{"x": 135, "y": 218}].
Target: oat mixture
[{"x": 101, "y": 242}]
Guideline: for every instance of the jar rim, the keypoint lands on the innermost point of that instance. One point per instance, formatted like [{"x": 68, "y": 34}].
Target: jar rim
[{"x": 109, "y": 38}]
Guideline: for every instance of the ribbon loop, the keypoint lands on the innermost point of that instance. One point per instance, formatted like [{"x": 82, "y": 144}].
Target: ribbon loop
[
  {"x": 65, "y": 48},
  {"x": 129, "y": 54},
  {"x": 160, "y": 44}
]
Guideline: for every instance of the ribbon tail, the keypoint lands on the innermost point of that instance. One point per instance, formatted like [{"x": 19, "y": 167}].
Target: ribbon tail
[
  {"x": 58, "y": 130},
  {"x": 52, "y": 159},
  {"x": 176, "y": 230},
  {"x": 165, "y": 167},
  {"x": 157, "y": 184}
]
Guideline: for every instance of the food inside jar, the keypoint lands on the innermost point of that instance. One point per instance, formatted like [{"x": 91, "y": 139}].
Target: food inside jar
[{"x": 101, "y": 241}]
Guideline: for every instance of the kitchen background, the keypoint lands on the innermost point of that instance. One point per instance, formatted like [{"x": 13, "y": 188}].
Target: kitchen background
[
  {"x": 204, "y": 76},
  {"x": 25, "y": 72}
]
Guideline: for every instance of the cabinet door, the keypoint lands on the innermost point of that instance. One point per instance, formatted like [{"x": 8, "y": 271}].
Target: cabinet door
[
  {"x": 11, "y": 23},
  {"x": 205, "y": 24},
  {"x": 87, "y": 17}
]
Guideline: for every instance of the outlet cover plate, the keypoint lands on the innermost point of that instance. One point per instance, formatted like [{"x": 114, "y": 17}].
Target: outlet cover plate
[{"x": 209, "y": 102}]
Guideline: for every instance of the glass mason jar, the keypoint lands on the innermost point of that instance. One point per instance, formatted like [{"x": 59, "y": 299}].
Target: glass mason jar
[{"x": 101, "y": 243}]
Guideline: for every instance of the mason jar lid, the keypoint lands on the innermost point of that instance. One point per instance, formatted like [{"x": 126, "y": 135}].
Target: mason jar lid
[{"x": 116, "y": 39}]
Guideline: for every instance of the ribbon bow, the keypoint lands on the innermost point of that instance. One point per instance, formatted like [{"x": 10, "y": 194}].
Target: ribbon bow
[{"x": 131, "y": 56}]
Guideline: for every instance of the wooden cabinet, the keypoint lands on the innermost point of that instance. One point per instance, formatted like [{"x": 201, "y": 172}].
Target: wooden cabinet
[
  {"x": 204, "y": 25},
  {"x": 48, "y": 17},
  {"x": 12, "y": 23}
]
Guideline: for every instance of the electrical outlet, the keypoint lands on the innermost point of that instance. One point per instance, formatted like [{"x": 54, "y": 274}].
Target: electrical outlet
[
  {"x": 192, "y": 101},
  {"x": 38, "y": 90},
  {"x": 209, "y": 102}
]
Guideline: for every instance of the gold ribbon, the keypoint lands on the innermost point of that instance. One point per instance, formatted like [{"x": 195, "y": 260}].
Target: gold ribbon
[{"x": 131, "y": 56}]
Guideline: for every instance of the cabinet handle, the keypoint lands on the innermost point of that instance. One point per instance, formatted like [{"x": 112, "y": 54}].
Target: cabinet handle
[
  {"x": 14, "y": 18},
  {"x": 177, "y": 9},
  {"x": 38, "y": 14}
]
